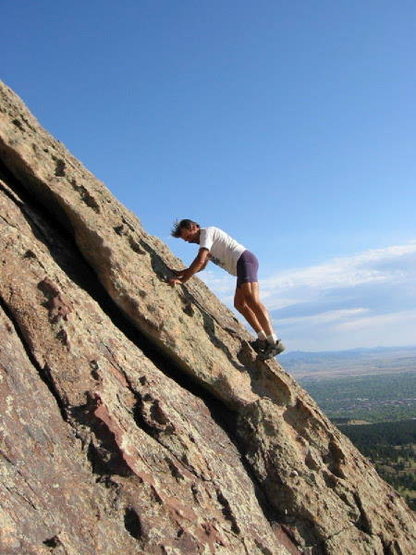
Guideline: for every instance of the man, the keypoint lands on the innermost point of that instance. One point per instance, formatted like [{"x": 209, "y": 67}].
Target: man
[{"x": 223, "y": 250}]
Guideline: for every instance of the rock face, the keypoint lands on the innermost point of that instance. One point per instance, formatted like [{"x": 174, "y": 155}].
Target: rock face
[{"x": 135, "y": 417}]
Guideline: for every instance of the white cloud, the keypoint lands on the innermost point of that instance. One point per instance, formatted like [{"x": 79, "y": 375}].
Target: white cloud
[
  {"x": 331, "y": 316},
  {"x": 219, "y": 281},
  {"x": 398, "y": 319},
  {"x": 366, "y": 267}
]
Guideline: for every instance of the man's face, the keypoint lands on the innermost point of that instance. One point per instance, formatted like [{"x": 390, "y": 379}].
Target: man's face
[{"x": 190, "y": 235}]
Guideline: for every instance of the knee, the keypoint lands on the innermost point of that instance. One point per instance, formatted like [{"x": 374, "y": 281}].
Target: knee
[
  {"x": 239, "y": 305},
  {"x": 253, "y": 302},
  {"x": 256, "y": 305}
]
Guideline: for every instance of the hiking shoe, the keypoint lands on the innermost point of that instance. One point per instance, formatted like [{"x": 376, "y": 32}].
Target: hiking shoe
[
  {"x": 259, "y": 345},
  {"x": 272, "y": 350}
]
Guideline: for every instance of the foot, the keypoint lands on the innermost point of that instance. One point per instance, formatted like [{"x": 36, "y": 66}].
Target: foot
[
  {"x": 272, "y": 350},
  {"x": 259, "y": 345}
]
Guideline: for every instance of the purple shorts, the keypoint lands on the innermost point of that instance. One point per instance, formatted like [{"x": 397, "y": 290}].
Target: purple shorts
[{"x": 247, "y": 266}]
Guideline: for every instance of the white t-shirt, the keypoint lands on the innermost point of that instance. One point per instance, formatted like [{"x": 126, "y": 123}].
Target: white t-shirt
[{"x": 224, "y": 250}]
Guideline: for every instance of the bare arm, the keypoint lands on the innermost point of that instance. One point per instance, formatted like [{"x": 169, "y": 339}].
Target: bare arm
[{"x": 197, "y": 265}]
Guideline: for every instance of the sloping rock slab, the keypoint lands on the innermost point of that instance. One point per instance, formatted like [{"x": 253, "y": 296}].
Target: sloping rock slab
[
  {"x": 101, "y": 451},
  {"x": 314, "y": 480}
]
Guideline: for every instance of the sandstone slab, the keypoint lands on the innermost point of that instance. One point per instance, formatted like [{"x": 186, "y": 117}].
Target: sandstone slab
[{"x": 106, "y": 325}]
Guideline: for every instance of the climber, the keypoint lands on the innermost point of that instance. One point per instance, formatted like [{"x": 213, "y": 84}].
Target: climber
[{"x": 217, "y": 246}]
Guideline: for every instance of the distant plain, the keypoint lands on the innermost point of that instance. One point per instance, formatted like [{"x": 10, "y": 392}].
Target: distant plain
[
  {"x": 370, "y": 394},
  {"x": 379, "y": 360}
]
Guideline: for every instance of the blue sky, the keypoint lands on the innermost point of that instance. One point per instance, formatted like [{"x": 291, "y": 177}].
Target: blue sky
[{"x": 290, "y": 124}]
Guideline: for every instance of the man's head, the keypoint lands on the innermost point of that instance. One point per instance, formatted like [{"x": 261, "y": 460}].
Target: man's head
[{"x": 188, "y": 230}]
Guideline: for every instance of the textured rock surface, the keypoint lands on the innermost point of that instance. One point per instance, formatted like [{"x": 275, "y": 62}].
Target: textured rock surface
[{"x": 135, "y": 417}]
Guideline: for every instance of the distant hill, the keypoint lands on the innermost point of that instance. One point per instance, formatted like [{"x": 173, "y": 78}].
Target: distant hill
[{"x": 354, "y": 361}]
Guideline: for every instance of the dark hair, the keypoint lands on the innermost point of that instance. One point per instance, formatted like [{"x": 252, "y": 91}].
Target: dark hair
[{"x": 182, "y": 224}]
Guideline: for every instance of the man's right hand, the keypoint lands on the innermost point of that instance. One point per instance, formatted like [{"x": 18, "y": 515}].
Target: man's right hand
[{"x": 174, "y": 281}]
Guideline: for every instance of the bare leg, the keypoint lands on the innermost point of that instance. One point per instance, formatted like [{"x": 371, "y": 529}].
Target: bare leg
[
  {"x": 247, "y": 302},
  {"x": 245, "y": 310}
]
